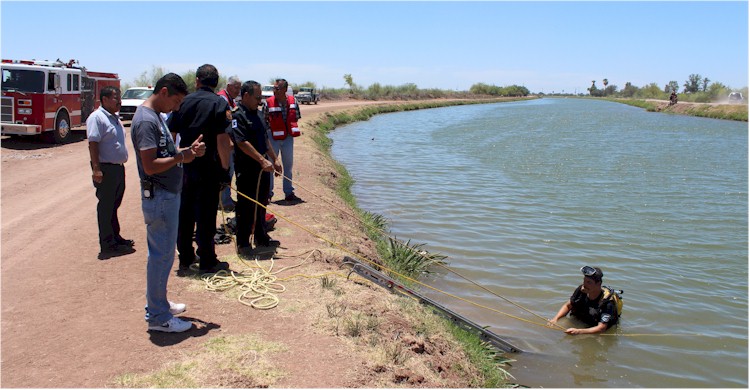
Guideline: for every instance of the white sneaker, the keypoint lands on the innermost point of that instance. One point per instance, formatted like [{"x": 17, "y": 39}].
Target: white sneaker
[
  {"x": 177, "y": 308},
  {"x": 174, "y": 325}
]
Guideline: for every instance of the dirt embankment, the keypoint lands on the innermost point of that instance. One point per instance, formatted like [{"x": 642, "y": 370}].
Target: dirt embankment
[
  {"x": 70, "y": 320},
  {"x": 710, "y": 110}
]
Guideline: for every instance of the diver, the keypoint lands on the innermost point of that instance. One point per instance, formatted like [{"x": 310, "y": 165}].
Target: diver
[{"x": 597, "y": 306}]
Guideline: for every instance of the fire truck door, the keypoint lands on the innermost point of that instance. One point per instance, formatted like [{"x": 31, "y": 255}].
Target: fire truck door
[{"x": 53, "y": 100}]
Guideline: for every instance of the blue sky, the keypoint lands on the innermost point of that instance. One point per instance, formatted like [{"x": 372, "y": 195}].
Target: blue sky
[{"x": 545, "y": 46}]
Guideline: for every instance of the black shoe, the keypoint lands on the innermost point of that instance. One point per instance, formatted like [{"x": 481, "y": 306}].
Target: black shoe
[
  {"x": 267, "y": 243},
  {"x": 124, "y": 241},
  {"x": 245, "y": 251},
  {"x": 291, "y": 198},
  {"x": 114, "y": 250},
  {"x": 221, "y": 265},
  {"x": 185, "y": 270}
]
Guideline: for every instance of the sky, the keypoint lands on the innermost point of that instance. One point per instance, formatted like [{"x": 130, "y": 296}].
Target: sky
[{"x": 548, "y": 47}]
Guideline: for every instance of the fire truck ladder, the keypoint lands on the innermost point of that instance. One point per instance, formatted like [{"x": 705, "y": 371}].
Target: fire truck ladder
[{"x": 395, "y": 287}]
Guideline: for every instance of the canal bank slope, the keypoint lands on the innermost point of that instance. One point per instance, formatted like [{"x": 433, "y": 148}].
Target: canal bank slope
[
  {"x": 70, "y": 320},
  {"x": 737, "y": 112}
]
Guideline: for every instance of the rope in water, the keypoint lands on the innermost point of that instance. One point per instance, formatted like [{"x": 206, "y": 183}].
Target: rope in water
[
  {"x": 423, "y": 255},
  {"x": 544, "y": 324}
]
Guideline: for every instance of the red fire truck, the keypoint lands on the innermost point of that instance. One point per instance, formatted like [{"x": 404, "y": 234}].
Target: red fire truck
[{"x": 48, "y": 98}]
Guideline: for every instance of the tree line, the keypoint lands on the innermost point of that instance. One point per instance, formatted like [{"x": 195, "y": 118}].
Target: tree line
[
  {"x": 695, "y": 89},
  {"x": 376, "y": 91}
]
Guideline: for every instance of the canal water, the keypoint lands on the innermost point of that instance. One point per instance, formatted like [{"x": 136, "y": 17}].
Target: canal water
[{"x": 520, "y": 195}]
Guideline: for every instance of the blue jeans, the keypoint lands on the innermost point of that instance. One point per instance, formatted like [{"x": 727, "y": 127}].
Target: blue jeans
[
  {"x": 286, "y": 148},
  {"x": 226, "y": 195},
  {"x": 161, "y": 216}
]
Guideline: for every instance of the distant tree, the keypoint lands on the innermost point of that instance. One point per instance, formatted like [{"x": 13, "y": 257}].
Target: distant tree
[
  {"x": 691, "y": 85},
  {"x": 146, "y": 78},
  {"x": 650, "y": 91},
  {"x": 673, "y": 86},
  {"x": 630, "y": 90},
  {"x": 593, "y": 90},
  {"x": 610, "y": 90},
  {"x": 350, "y": 81},
  {"x": 605, "y": 82},
  {"x": 717, "y": 91},
  {"x": 705, "y": 84}
]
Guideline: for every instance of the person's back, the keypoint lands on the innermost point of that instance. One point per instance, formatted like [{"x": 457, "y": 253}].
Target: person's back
[{"x": 202, "y": 112}]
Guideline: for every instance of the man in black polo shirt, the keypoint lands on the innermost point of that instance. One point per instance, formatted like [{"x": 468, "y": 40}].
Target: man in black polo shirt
[
  {"x": 253, "y": 168},
  {"x": 202, "y": 112},
  {"x": 588, "y": 304}
]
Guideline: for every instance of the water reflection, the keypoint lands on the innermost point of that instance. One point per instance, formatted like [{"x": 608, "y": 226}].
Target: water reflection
[{"x": 593, "y": 359}]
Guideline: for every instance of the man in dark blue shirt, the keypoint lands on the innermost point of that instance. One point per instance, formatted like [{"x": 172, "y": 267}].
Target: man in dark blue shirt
[
  {"x": 202, "y": 112},
  {"x": 254, "y": 161},
  {"x": 588, "y": 304}
]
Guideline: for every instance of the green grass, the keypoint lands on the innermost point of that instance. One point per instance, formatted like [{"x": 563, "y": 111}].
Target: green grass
[
  {"x": 735, "y": 112},
  {"x": 648, "y": 106}
]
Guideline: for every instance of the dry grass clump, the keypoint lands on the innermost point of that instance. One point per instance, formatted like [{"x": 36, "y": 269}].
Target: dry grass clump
[{"x": 235, "y": 361}]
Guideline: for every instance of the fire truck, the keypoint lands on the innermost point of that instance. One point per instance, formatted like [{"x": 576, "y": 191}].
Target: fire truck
[{"x": 48, "y": 98}]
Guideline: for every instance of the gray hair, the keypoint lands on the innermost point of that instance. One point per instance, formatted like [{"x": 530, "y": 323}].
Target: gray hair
[{"x": 232, "y": 80}]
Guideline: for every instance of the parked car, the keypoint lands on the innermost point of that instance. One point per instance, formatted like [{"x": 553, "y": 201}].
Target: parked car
[
  {"x": 735, "y": 97},
  {"x": 131, "y": 99},
  {"x": 266, "y": 91},
  {"x": 307, "y": 95}
]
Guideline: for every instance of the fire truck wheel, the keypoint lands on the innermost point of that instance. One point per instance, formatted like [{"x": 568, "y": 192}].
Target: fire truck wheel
[{"x": 62, "y": 129}]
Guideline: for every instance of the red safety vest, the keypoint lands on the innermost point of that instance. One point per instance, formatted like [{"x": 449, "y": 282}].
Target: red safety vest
[
  {"x": 279, "y": 129},
  {"x": 223, "y": 93}
]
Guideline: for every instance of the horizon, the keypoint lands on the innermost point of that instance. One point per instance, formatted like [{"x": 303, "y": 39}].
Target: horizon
[{"x": 548, "y": 47}]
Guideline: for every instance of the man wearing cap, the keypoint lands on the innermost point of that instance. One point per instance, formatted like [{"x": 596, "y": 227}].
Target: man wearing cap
[{"x": 587, "y": 304}]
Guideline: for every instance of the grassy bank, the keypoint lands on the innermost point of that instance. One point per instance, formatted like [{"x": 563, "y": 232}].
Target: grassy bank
[
  {"x": 406, "y": 258},
  {"x": 735, "y": 112}
]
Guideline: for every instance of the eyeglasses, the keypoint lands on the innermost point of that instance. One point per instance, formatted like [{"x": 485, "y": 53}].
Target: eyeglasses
[{"x": 588, "y": 271}]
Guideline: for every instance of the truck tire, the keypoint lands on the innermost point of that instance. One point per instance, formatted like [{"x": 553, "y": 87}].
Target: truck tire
[
  {"x": 316, "y": 102},
  {"x": 62, "y": 133}
]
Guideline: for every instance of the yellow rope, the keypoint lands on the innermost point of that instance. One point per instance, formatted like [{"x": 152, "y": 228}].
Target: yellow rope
[
  {"x": 546, "y": 324},
  {"x": 388, "y": 269},
  {"x": 424, "y": 254}
]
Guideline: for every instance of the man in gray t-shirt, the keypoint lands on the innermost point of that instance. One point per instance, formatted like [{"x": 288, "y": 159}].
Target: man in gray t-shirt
[
  {"x": 149, "y": 131},
  {"x": 160, "y": 169}
]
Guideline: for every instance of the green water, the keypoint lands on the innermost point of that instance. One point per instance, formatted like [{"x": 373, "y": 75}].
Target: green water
[{"x": 521, "y": 195}]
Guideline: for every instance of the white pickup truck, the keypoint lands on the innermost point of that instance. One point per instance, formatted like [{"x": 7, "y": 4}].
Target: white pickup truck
[{"x": 131, "y": 99}]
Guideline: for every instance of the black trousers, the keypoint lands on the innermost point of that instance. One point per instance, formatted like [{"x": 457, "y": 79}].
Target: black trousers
[
  {"x": 198, "y": 207},
  {"x": 109, "y": 192},
  {"x": 249, "y": 214}
]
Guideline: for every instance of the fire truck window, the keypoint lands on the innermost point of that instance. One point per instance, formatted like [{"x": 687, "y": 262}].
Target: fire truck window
[
  {"x": 70, "y": 82},
  {"x": 51, "y": 82},
  {"x": 76, "y": 82},
  {"x": 23, "y": 80}
]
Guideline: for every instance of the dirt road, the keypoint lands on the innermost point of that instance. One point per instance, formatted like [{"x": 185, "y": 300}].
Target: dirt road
[{"x": 70, "y": 320}]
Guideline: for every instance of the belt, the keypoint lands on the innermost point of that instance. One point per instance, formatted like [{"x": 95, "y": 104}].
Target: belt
[{"x": 106, "y": 163}]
